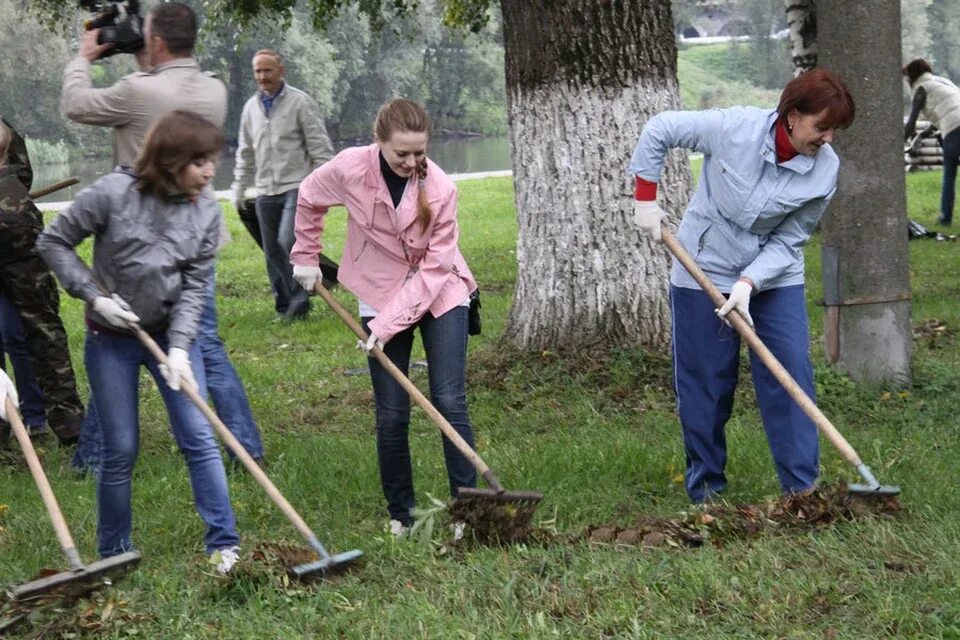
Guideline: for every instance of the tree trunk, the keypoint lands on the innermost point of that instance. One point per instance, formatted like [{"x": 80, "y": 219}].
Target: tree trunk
[
  {"x": 865, "y": 255},
  {"x": 582, "y": 79},
  {"x": 802, "y": 20}
]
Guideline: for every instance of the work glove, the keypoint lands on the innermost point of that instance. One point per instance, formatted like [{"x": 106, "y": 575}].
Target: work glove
[
  {"x": 306, "y": 276},
  {"x": 7, "y": 390},
  {"x": 177, "y": 371},
  {"x": 115, "y": 310},
  {"x": 738, "y": 299},
  {"x": 647, "y": 215},
  {"x": 372, "y": 341}
]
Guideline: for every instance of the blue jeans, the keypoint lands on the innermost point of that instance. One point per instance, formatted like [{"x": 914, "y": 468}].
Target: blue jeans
[
  {"x": 113, "y": 366},
  {"x": 445, "y": 343},
  {"x": 14, "y": 343},
  {"x": 706, "y": 360},
  {"x": 276, "y": 217},
  {"x": 951, "y": 157},
  {"x": 222, "y": 383}
]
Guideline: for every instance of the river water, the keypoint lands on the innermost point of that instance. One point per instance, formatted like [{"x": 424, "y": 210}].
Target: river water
[{"x": 462, "y": 155}]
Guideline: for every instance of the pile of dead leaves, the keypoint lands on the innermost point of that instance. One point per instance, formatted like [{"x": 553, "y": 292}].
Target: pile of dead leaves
[
  {"x": 57, "y": 616},
  {"x": 718, "y": 524}
]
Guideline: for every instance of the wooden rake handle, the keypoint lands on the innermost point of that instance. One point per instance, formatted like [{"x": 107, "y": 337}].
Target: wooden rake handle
[
  {"x": 56, "y": 186},
  {"x": 769, "y": 360},
  {"x": 46, "y": 492},
  {"x": 231, "y": 441},
  {"x": 412, "y": 389}
]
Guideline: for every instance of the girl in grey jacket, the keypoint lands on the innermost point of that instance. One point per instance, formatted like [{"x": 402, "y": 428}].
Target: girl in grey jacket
[{"x": 155, "y": 236}]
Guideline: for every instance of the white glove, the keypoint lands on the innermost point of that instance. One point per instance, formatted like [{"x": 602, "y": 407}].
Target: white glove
[
  {"x": 369, "y": 344},
  {"x": 177, "y": 371},
  {"x": 7, "y": 390},
  {"x": 738, "y": 299},
  {"x": 647, "y": 215},
  {"x": 306, "y": 276},
  {"x": 115, "y": 310}
]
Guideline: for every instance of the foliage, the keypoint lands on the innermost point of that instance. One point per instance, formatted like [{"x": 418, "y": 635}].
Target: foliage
[{"x": 943, "y": 22}]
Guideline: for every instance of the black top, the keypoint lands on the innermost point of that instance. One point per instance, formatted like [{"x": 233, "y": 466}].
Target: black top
[{"x": 396, "y": 184}]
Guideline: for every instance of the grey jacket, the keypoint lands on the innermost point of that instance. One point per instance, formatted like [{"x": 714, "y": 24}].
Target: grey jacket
[
  {"x": 132, "y": 104},
  {"x": 275, "y": 154},
  {"x": 157, "y": 254}
]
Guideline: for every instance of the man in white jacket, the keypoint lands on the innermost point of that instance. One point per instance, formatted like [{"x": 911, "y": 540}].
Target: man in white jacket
[{"x": 282, "y": 139}]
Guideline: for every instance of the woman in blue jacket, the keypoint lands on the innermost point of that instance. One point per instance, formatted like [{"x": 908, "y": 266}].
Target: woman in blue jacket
[{"x": 768, "y": 175}]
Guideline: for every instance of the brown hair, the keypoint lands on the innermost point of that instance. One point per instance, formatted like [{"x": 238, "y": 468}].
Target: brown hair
[
  {"x": 176, "y": 24},
  {"x": 173, "y": 142},
  {"x": 916, "y": 68},
  {"x": 401, "y": 114},
  {"x": 6, "y": 137},
  {"x": 816, "y": 90}
]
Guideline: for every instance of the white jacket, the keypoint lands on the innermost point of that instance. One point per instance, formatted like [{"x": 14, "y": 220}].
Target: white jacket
[{"x": 943, "y": 101}]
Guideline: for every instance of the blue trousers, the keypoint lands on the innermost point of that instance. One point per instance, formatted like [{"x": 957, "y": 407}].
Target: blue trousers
[
  {"x": 222, "y": 383},
  {"x": 706, "y": 355},
  {"x": 14, "y": 343},
  {"x": 445, "y": 344},
  {"x": 276, "y": 215},
  {"x": 113, "y": 366}
]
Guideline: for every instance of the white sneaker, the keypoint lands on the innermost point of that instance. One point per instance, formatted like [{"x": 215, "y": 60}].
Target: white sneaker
[
  {"x": 398, "y": 529},
  {"x": 228, "y": 558},
  {"x": 457, "y": 529}
]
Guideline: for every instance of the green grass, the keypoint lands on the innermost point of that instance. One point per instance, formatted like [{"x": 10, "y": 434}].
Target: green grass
[
  {"x": 596, "y": 433},
  {"x": 721, "y": 75}
]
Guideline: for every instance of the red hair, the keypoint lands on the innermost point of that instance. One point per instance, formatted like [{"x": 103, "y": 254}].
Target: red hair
[{"x": 816, "y": 90}]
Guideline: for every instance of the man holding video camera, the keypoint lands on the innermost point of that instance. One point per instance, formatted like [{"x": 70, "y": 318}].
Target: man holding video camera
[{"x": 170, "y": 79}]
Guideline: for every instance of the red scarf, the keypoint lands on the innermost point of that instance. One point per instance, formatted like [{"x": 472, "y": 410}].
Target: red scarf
[{"x": 785, "y": 150}]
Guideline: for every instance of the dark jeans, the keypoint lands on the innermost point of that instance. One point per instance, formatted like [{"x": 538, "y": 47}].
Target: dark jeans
[
  {"x": 951, "y": 157},
  {"x": 14, "y": 343},
  {"x": 445, "y": 343},
  {"x": 276, "y": 217}
]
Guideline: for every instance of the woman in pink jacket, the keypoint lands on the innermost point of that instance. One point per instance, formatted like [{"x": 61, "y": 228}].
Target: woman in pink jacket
[{"x": 402, "y": 261}]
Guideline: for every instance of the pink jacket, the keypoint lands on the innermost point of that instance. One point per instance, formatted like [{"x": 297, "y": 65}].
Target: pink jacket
[{"x": 387, "y": 261}]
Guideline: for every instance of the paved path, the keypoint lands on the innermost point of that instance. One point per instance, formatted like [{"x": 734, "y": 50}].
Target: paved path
[{"x": 227, "y": 194}]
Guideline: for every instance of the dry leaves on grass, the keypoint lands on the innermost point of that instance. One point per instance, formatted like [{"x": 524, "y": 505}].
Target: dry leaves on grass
[{"x": 719, "y": 524}]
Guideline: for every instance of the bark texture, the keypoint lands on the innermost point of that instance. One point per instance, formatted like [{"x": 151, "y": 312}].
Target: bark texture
[
  {"x": 865, "y": 253},
  {"x": 802, "y": 21},
  {"x": 582, "y": 79}
]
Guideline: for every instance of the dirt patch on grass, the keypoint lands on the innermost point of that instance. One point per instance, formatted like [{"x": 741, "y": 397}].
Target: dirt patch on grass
[{"x": 720, "y": 524}]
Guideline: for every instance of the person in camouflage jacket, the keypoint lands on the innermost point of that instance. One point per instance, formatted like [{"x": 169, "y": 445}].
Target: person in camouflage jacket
[{"x": 28, "y": 283}]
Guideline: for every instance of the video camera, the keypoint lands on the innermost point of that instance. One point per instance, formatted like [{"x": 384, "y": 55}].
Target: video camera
[{"x": 119, "y": 22}]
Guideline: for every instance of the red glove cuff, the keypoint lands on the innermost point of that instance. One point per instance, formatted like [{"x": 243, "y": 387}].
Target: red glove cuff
[{"x": 645, "y": 190}]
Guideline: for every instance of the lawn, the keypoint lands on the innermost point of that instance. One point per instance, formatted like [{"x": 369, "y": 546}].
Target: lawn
[{"x": 597, "y": 433}]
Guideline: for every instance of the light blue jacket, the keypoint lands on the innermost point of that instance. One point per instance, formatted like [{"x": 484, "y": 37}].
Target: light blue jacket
[{"x": 749, "y": 216}]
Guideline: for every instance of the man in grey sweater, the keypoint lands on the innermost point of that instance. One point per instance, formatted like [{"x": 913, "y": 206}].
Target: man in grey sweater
[{"x": 282, "y": 139}]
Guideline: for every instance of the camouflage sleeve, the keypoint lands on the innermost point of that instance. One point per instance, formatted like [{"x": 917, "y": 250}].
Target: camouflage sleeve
[
  {"x": 18, "y": 158},
  {"x": 20, "y": 221},
  {"x": 87, "y": 216}
]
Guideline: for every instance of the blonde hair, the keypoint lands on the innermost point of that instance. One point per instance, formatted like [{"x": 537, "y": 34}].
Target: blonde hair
[
  {"x": 6, "y": 137},
  {"x": 269, "y": 52},
  {"x": 401, "y": 114}
]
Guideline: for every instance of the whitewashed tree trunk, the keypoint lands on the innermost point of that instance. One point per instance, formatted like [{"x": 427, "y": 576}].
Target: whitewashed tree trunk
[
  {"x": 582, "y": 79},
  {"x": 802, "y": 20}
]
